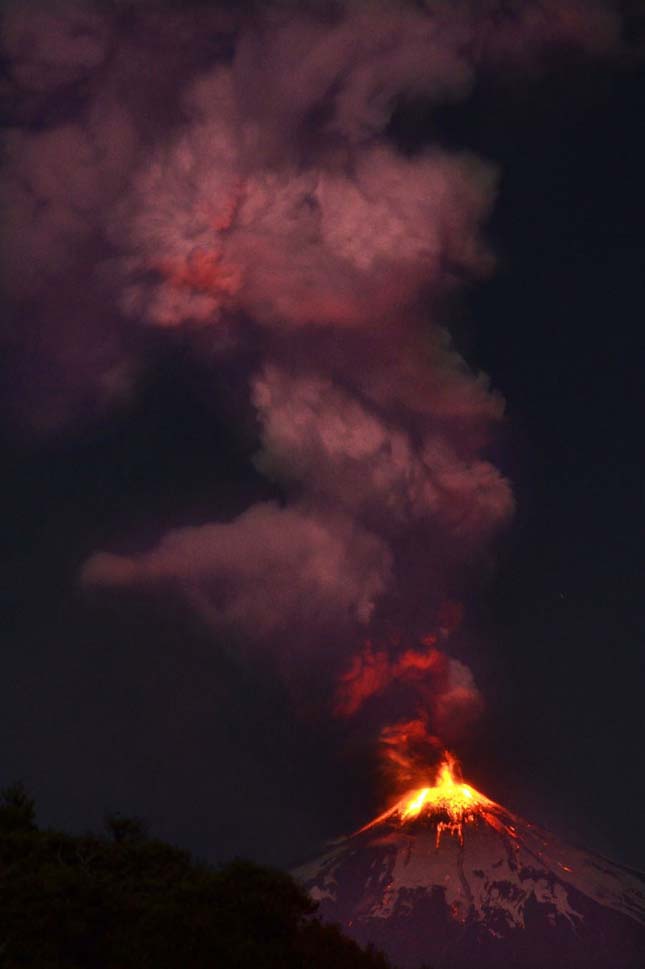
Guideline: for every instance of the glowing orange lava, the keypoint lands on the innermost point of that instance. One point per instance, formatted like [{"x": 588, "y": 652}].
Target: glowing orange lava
[{"x": 449, "y": 802}]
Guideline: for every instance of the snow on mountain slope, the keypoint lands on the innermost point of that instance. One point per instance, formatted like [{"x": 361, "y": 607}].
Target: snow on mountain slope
[{"x": 492, "y": 890}]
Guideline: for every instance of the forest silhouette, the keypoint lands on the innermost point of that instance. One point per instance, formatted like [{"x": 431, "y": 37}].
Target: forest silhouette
[{"x": 123, "y": 900}]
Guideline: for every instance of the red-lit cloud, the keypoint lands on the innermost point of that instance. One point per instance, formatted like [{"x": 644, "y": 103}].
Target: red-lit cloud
[
  {"x": 265, "y": 573},
  {"x": 234, "y": 173}
]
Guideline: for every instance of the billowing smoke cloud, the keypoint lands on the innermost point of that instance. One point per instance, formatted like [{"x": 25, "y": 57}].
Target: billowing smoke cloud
[
  {"x": 337, "y": 449},
  {"x": 293, "y": 247},
  {"x": 270, "y": 571},
  {"x": 407, "y": 748},
  {"x": 52, "y": 45},
  {"x": 246, "y": 184},
  {"x": 445, "y": 685}
]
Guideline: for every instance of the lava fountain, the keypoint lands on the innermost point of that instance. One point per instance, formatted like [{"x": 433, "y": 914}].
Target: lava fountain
[{"x": 449, "y": 802}]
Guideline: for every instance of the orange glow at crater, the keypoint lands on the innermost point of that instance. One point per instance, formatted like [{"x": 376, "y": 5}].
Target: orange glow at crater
[{"x": 449, "y": 802}]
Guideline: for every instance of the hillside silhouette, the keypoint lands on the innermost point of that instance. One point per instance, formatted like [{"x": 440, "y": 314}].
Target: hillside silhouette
[{"x": 122, "y": 900}]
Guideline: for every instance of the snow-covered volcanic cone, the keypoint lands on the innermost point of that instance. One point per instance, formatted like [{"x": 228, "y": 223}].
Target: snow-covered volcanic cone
[{"x": 450, "y": 879}]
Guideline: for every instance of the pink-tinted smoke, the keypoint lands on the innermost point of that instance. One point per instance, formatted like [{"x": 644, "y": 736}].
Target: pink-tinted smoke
[{"x": 246, "y": 185}]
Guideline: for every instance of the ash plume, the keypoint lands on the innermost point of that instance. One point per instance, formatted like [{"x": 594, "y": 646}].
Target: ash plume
[{"x": 245, "y": 187}]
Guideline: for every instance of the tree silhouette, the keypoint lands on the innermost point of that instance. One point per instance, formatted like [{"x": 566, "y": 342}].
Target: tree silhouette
[
  {"x": 125, "y": 829},
  {"x": 17, "y": 809},
  {"x": 126, "y": 901}
]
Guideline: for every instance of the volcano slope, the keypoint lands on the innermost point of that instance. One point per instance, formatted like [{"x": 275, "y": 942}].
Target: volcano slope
[{"x": 464, "y": 884}]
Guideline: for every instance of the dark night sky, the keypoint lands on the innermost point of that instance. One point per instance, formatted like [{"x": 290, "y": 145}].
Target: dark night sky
[
  {"x": 121, "y": 701},
  {"x": 559, "y": 333}
]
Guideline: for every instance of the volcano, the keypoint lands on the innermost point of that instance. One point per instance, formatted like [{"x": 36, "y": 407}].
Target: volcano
[{"x": 447, "y": 878}]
